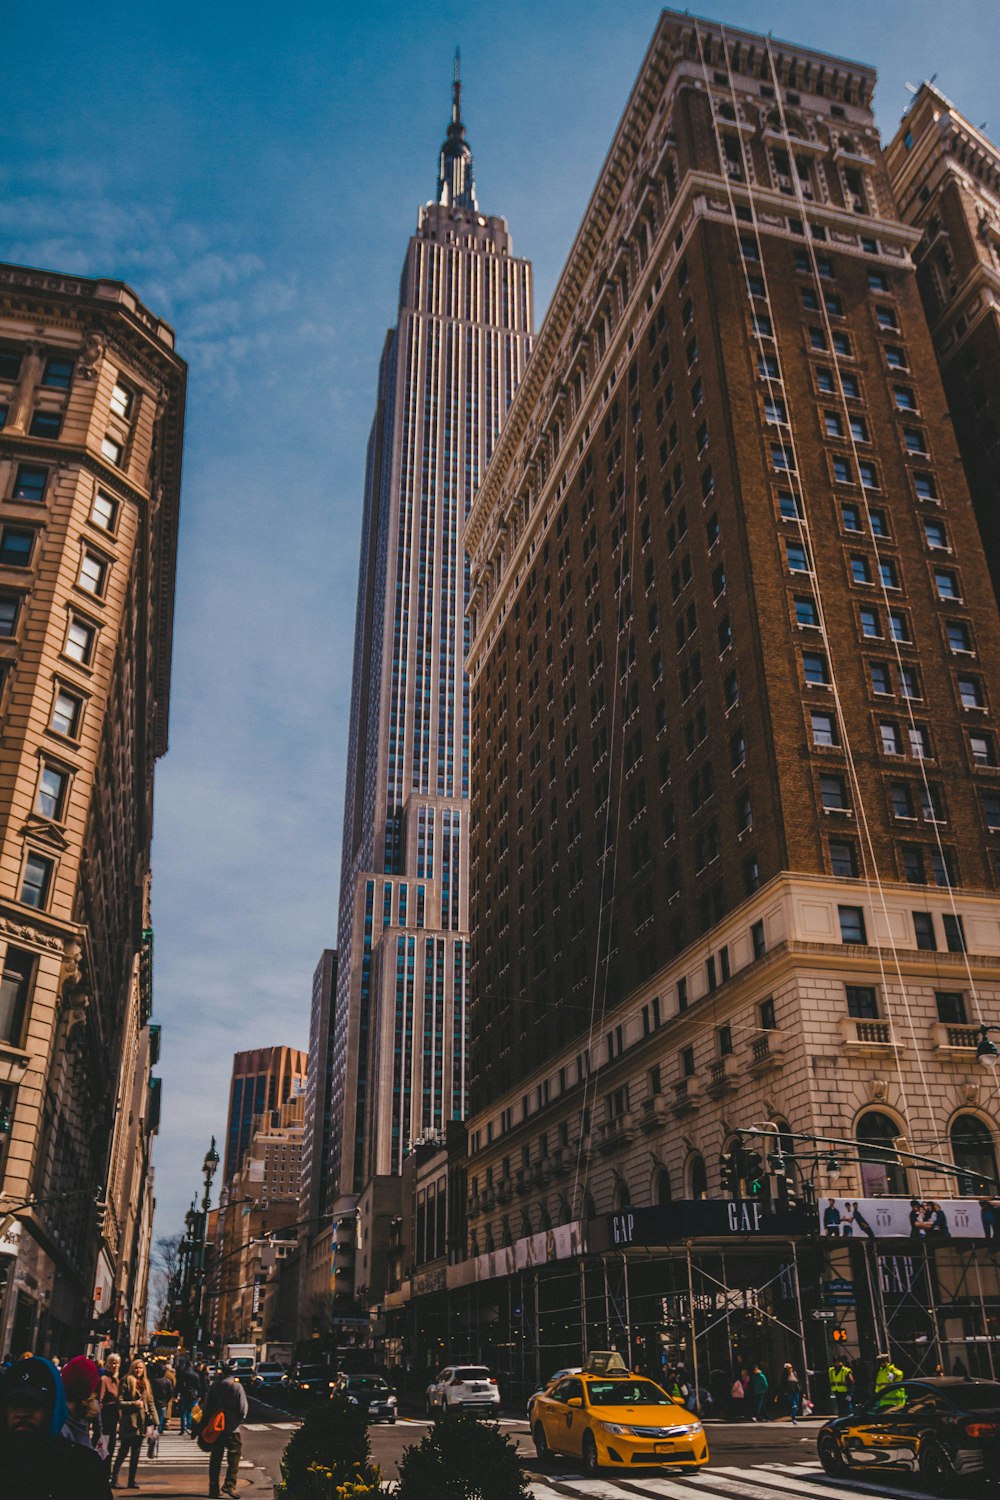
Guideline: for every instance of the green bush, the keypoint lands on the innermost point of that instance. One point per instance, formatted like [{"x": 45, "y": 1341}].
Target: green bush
[
  {"x": 462, "y": 1458},
  {"x": 330, "y": 1449}
]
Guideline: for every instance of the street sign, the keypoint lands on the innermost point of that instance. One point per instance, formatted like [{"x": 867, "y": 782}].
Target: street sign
[
  {"x": 837, "y": 1284},
  {"x": 839, "y": 1299},
  {"x": 822, "y": 1315}
]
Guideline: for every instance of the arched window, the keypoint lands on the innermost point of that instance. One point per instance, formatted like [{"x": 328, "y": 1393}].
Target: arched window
[
  {"x": 589, "y": 1208},
  {"x": 544, "y": 1217},
  {"x": 506, "y": 1238},
  {"x": 622, "y": 1197},
  {"x": 697, "y": 1176},
  {"x": 564, "y": 1215},
  {"x": 972, "y": 1148},
  {"x": 661, "y": 1186},
  {"x": 526, "y": 1227},
  {"x": 880, "y": 1176}
]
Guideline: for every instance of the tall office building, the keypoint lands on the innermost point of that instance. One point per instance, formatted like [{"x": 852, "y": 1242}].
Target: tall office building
[
  {"x": 945, "y": 174},
  {"x": 448, "y": 373},
  {"x": 91, "y": 423},
  {"x": 262, "y": 1080},
  {"x": 315, "y": 1185},
  {"x": 736, "y": 790}
]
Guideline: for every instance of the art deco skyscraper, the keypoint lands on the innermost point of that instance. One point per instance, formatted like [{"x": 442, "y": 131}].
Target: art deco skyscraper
[{"x": 448, "y": 373}]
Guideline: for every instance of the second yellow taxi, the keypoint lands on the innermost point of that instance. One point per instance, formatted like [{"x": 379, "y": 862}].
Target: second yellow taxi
[{"x": 609, "y": 1418}]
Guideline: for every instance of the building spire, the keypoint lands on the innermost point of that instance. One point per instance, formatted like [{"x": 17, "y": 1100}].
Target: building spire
[{"x": 455, "y": 182}]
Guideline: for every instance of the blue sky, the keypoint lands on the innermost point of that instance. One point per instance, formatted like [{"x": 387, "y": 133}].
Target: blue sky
[{"x": 254, "y": 172}]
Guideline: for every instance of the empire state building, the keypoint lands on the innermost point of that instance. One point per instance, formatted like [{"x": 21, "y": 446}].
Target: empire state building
[{"x": 448, "y": 373}]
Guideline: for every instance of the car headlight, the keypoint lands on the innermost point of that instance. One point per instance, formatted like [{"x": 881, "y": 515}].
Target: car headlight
[
  {"x": 391, "y": 1401},
  {"x": 616, "y": 1429},
  {"x": 352, "y": 1400},
  {"x": 695, "y": 1427}
]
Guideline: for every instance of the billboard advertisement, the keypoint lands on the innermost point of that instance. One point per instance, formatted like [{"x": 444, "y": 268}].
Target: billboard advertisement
[{"x": 930, "y": 1220}]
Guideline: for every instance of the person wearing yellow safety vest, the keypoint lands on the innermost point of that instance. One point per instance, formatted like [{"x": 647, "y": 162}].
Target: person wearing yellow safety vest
[
  {"x": 841, "y": 1378},
  {"x": 886, "y": 1375}
]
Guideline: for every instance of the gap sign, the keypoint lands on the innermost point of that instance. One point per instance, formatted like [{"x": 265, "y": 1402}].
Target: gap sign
[{"x": 696, "y": 1219}]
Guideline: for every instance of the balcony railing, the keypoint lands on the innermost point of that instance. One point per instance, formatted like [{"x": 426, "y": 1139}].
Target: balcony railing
[
  {"x": 654, "y": 1112},
  {"x": 723, "y": 1076},
  {"x": 687, "y": 1096},
  {"x": 871, "y": 1036},
  {"x": 617, "y": 1132},
  {"x": 766, "y": 1053}
]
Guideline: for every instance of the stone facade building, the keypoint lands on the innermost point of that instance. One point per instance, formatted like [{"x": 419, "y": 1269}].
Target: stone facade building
[
  {"x": 946, "y": 178},
  {"x": 736, "y": 796},
  {"x": 91, "y": 421}
]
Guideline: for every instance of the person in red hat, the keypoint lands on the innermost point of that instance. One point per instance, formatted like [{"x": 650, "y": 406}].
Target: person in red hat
[{"x": 80, "y": 1378}]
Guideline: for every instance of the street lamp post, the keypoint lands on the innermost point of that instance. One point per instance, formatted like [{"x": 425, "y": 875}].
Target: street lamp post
[
  {"x": 986, "y": 1051},
  {"x": 208, "y": 1167}
]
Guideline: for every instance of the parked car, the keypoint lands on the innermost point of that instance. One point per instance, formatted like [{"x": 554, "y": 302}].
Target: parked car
[
  {"x": 616, "y": 1421},
  {"x": 463, "y": 1388},
  {"x": 270, "y": 1376},
  {"x": 312, "y": 1380},
  {"x": 946, "y": 1430},
  {"x": 559, "y": 1375},
  {"x": 372, "y": 1392}
]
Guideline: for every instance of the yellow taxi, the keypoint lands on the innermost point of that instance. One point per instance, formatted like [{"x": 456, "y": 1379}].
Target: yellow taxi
[{"x": 609, "y": 1418}]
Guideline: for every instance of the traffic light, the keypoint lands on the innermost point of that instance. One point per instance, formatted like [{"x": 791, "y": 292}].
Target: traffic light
[
  {"x": 754, "y": 1174},
  {"x": 776, "y": 1163},
  {"x": 730, "y": 1174},
  {"x": 788, "y": 1190}
]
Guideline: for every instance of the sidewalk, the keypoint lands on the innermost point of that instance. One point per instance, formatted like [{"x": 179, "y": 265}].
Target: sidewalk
[{"x": 182, "y": 1469}]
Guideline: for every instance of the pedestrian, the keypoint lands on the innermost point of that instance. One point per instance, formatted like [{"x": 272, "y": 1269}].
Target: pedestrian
[
  {"x": 737, "y": 1400},
  {"x": 137, "y": 1411},
  {"x": 757, "y": 1391},
  {"x": 163, "y": 1390},
  {"x": 841, "y": 1379},
  {"x": 80, "y": 1378},
  {"x": 790, "y": 1392},
  {"x": 888, "y": 1374},
  {"x": 188, "y": 1391},
  {"x": 36, "y": 1461},
  {"x": 107, "y": 1396},
  {"x": 226, "y": 1397}
]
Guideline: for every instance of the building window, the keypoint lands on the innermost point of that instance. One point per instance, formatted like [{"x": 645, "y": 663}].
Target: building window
[
  {"x": 852, "y": 924},
  {"x": 9, "y": 606},
  {"x": 80, "y": 639},
  {"x": 923, "y": 927},
  {"x": 915, "y": 441},
  {"x": 842, "y": 471},
  {"x": 16, "y": 543},
  {"x": 757, "y": 939},
  {"x": 824, "y": 729},
  {"x": 30, "y": 483},
  {"x": 950, "y": 1007},
  {"x": 895, "y": 357},
  {"x": 851, "y": 517},
  {"x": 991, "y": 808},
  {"x": 972, "y": 1148},
  {"x": 870, "y": 624},
  {"x": 833, "y": 793},
  {"x": 725, "y": 1040},
  {"x": 881, "y": 1173},
  {"x": 970, "y": 690},
  {"x": 112, "y": 450},
  {"x": 798, "y": 562},
  {"x": 885, "y": 317},
  {"x": 66, "y": 713},
  {"x": 925, "y": 487},
  {"x": 104, "y": 512},
  {"x": 15, "y": 987},
  {"x": 682, "y": 994},
  {"x": 806, "y": 613},
  {"x": 983, "y": 747},
  {"x": 843, "y": 858},
  {"x": 860, "y": 570},
  {"x": 881, "y": 681},
  {"x": 815, "y": 668},
  {"x": 768, "y": 1019},
  {"x": 920, "y": 742},
  {"x": 914, "y": 872},
  {"x": 45, "y": 424},
  {"x": 58, "y": 373},
  {"x": 121, "y": 400},
  {"x": 909, "y": 682},
  {"x": 946, "y": 584},
  {"x": 889, "y": 574},
  {"x": 36, "y": 880},
  {"x": 959, "y": 637},
  {"x": 892, "y": 739},
  {"x": 862, "y": 1002},
  {"x": 51, "y": 798},
  {"x": 687, "y": 1062},
  {"x": 954, "y": 933},
  {"x": 93, "y": 574},
  {"x": 869, "y": 475},
  {"x": 901, "y": 799}
]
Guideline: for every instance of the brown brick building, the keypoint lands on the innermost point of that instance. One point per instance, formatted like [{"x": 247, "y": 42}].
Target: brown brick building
[
  {"x": 736, "y": 801},
  {"x": 946, "y": 178},
  {"x": 91, "y": 418}
]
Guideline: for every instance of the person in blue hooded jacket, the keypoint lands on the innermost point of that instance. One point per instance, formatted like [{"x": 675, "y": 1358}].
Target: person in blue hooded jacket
[{"x": 36, "y": 1461}]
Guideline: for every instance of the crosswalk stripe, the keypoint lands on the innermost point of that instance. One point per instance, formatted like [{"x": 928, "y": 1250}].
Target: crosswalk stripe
[{"x": 822, "y": 1485}]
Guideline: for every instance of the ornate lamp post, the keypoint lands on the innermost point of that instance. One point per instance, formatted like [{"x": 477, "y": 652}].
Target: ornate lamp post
[{"x": 208, "y": 1167}]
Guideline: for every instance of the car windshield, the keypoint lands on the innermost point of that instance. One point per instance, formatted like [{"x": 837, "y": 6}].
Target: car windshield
[
  {"x": 367, "y": 1383},
  {"x": 472, "y": 1373},
  {"x": 626, "y": 1393}
]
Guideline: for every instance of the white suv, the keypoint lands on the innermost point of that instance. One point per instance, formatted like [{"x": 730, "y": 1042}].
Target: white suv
[{"x": 463, "y": 1388}]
